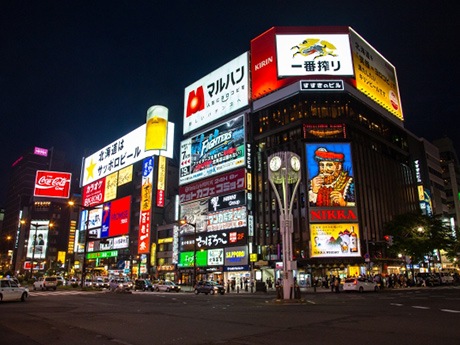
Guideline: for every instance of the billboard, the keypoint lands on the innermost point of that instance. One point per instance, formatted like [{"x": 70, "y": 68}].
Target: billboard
[
  {"x": 335, "y": 240},
  {"x": 122, "y": 153},
  {"x": 375, "y": 76},
  {"x": 37, "y": 243},
  {"x": 218, "y": 94},
  {"x": 265, "y": 53},
  {"x": 236, "y": 256},
  {"x": 52, "y": 184},
  {"x": 330, "y": 175},
  {"x": 215, "y": 151},
  {"x": 119, "y": 216},
  {"x": 312, "y": 54},
  {"x": 225, "y": 183}
]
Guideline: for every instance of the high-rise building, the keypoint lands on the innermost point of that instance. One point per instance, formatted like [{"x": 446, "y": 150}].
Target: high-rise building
[{"x": 23, "y": 210}]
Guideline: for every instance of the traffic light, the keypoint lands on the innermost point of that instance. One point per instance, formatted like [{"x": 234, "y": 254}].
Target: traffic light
[{"x": 388, "y": 239}]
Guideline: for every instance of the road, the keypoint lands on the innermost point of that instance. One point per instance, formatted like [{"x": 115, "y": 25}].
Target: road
[{"x": 422, "y": 316}]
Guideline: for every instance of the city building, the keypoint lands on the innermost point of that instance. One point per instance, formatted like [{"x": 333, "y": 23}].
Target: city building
[
  {"x": 128, "y": 193},
  {"x": 28, "y": 213}
]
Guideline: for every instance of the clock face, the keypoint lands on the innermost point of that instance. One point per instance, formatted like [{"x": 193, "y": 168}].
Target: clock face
[
  {"x": 275, "y": 163},
  {"x": 295, "y": 163}
]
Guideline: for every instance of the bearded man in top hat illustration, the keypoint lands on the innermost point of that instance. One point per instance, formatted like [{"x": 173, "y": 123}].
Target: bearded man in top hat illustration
[{"x": 333, "y": 186}]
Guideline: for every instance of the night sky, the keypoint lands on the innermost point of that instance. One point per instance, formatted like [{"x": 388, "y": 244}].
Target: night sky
[{"x": 77, "y": 75}]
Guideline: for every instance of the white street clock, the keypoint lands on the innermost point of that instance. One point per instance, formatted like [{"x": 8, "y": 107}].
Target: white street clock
[
  {"x": 275, "y": 163},
  {"x": 295, "y": 163}
]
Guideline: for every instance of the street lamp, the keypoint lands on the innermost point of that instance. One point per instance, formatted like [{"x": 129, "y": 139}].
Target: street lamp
[
  {"x": 284, "y": 170},
  {"x": 184, "y": 222}
]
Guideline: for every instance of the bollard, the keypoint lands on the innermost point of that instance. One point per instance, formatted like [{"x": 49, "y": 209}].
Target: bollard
[{"x": 238, "y": 289}]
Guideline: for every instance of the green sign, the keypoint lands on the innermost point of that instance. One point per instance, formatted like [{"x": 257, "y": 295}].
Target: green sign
[
  {"x": 186, "y": 259},
  {"x": 102, "y": 255}
]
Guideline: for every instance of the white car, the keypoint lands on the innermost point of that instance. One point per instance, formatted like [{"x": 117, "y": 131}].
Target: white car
[
  {"x": 360, "y": 285},
  {"x": 11, "y": 291},
  {"x": 46, "y": 283},
  {"x": 166, "y": 286}
]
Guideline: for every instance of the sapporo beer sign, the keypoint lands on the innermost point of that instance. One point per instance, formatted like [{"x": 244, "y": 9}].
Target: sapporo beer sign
[{"x": 52, "y": 184}]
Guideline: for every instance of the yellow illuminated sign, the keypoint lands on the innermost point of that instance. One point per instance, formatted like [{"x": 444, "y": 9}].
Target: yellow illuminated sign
[
  {"x": 125, "y": 175},
  {"x": 111, "y": 183},
  {"x": 375, "y": 76}
]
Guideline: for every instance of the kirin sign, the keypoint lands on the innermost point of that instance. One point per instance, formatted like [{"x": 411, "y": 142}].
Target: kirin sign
[{"x": 52, "y": 184}]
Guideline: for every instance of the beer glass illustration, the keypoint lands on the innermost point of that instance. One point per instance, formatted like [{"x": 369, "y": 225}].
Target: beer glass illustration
[{"x": 156, "y": 128}]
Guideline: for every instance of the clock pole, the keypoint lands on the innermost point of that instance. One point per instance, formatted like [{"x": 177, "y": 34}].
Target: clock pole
[{"x": 284, "y": 170}]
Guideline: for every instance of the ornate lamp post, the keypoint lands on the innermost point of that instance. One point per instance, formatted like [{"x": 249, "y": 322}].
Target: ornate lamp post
[{"x": 284, "y": 170}]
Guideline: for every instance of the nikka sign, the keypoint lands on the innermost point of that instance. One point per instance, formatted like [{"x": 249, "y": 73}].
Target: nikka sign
[{"x": 52, "y": 184}]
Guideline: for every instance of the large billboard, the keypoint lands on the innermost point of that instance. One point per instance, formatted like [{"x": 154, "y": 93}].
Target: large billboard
[
  {"x": 330, "y": 174},
  {"x": 52, "y": 184},
  {"x": 215, "y": 151},
  {"x": 218, "y": 94},
  {"x": 333, "y": 215},
  {"x": 375, "y": 76},
  {"x": 274, "y": 50},
  {"x": 122, "y": 153},
  {"x": 313, "y": 54}
]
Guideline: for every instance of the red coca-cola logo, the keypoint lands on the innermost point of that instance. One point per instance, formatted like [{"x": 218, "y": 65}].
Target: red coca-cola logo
[{"x": 53, "y": 184}]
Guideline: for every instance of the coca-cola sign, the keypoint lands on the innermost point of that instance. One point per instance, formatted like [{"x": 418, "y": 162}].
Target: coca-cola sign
[{"x": 52, "y": 184}]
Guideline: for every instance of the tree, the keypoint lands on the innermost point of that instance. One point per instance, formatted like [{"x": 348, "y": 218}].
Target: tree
[{"x": 417, "y": 236}]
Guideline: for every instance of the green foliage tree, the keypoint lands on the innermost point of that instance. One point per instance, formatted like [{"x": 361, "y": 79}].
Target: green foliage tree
[{"x": 417, "y": 236}]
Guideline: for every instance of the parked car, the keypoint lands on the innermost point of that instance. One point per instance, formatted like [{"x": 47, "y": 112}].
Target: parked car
[
  {"x": 446, "y": 278},
  {"x": 428, "y": 279},
  {"x": 10, "y": 290},
  {"x": 120, "y": 284},
  {"x": 209, "y": 287},
  {"x": 360, "y": 285},
  {"x": 46, "y": 283},
  {"x": 74, "y": 282},
  {"x": 61, "y": 281},
  {"x": 166, "y": 285},
  {"x": 143, "y": 285}
]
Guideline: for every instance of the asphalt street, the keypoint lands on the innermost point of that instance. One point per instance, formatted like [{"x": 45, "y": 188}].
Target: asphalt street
[{"x": 422, "y": 315}]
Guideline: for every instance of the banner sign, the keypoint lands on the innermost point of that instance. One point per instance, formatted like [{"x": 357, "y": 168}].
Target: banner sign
[
  {"x": 52, "y": 184},
  {"x": 143, "y": 246},
  {"x": 222, "y": 184},
  {"x": 217, "y": 239},
  {"x": 212, "y": 152}
]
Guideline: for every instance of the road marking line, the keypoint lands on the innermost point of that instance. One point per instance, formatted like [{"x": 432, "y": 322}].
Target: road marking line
[
  {"x": 450, "y": 311},
  {"x": 397, "y": 304},
  {"x": 419, "y": 307}
]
